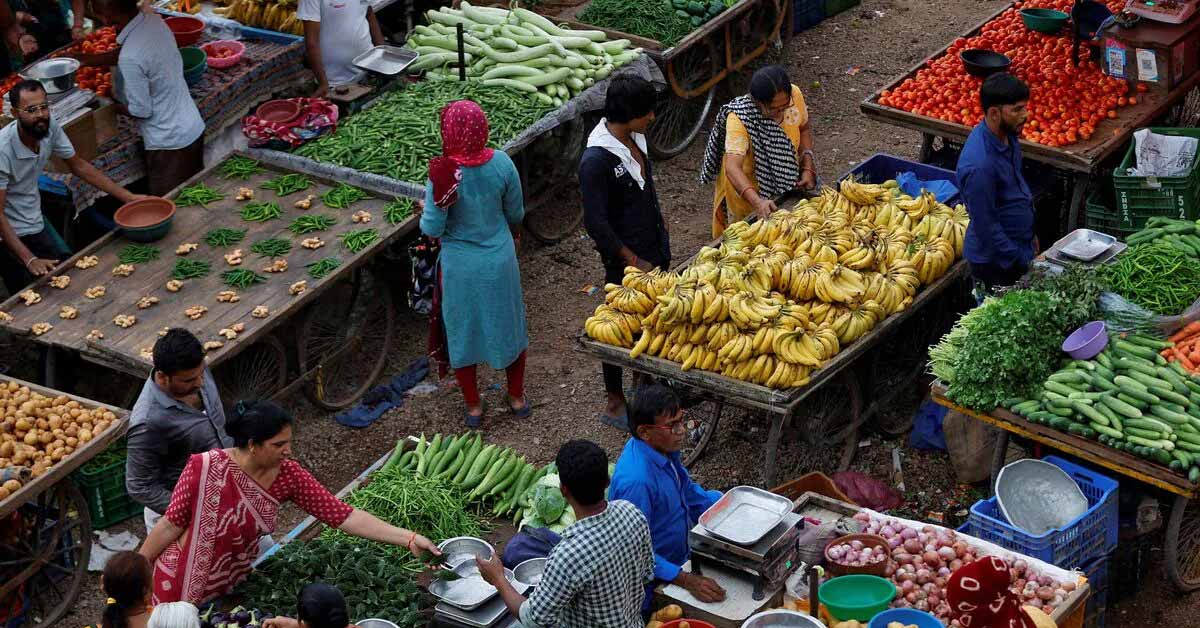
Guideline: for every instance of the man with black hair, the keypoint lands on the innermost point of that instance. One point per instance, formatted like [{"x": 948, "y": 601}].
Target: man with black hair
[
  {"x": 1000, "y": 242},
  {"x": 32, "y": 247},
  {"x": 651, "y": 475},
  {"x": 620, "y": 207},
  {"x": 595, "y": 576},
  {"x": 178, "y": 413}
]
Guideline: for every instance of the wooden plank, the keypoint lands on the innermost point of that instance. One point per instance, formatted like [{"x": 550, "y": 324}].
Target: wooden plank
[
  {"x": 1111, "y": 459},
  {"x": 121, "y": 348},
  {"x": 77, "y": 459}
]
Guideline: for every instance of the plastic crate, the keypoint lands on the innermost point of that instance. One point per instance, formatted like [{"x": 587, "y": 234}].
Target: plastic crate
[
  {"x": 1100, "y": 217},
  {"x": 833, "y": 7},
  {"x": 1096, "y": 572},
  {"x": 1140, "y": 198},
  {"x": 881, "y": 166},
  {"x": 103, "y": 486},
  {"x": 807, "y": 14},
  {"x": 1091, "y": 535}
]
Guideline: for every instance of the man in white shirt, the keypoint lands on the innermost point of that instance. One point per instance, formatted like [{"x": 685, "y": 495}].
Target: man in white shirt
[
  {"x": 336, "y": 31},
  {"x": 153, "y": 91}
]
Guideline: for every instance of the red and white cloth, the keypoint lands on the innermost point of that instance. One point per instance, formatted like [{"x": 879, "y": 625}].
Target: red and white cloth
[{"x": 317, "y": 116}]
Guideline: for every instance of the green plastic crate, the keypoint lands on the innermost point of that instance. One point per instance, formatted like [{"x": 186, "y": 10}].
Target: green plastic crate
[
  {"x": 1100, "y": 217},
  {"x": 833, "y": 7},
  {"x": 102, "y": 482},
  {"x": 1140, "y": 198}
]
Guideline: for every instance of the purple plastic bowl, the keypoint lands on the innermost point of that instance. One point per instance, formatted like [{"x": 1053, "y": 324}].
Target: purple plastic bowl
[{"x": 1086, "y": 342}]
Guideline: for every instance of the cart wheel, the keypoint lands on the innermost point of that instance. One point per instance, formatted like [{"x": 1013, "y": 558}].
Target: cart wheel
[
  {"x": 750, "y": 34},
  {"x": 345, "y": 336},
  {"x": 258, "y": 372},
  {"x": 51, "y": 539},
  {"x": 555, "y": 157},
  {"x": 1183, "y": 544},
  {"x": 702, "y": 421},
  {"x": 679, "y": 120},
  {"x": 824, "y": 435}
]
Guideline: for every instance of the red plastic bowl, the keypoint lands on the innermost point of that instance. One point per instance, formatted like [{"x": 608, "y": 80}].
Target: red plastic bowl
[
  {"x": 187, "y": 30},
  {"x": 278, "y": 111},
  {"x": 233, "y": 51}
]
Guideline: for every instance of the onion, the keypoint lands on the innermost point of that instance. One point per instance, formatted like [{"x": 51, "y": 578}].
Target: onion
[
  {"x": 960, "y": 549},
  {"x": 930, "y": 557},
  {"x": 911, "y": 597},
  {"x": 944, "y": 572},
  {"x": 856, "y": 544},
  {"x": 929, "y": 530},
  {"x": 1045, "y": 581},
  {"x": 907, "y": 586},
  {"x": 1020, "y": 565},
  {"x": 908, "y": 533},
  {"x": 1056, "y": 601},
  {"x": 929, "y": 588},
  {"x": 1030, "y": 588},
  {"x": 836, "y": 552},
  {"x": 923, "y": 575},
  {"x": 907, "y": 577},
  {"x": 1068, "y": 586},
  {"x": 940, "y": 582},
  {"x": 890, "y": 570},
  {"x": 947, "y": 553},
  {"x": 887, "y": 530},
  {"x": 955, "y": 564},
  {"x": 934, "y": 599},
  {"x": 921, "y": 605},
  {"x": 899, "y": 591},
  {"x": 894, "y": 541},
  {"x": 912, "y": 546},
  {"x": 862, "y": 516},
  {"x": 1045, "y": 593}
]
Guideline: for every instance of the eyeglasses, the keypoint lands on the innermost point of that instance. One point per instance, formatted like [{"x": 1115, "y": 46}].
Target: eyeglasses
[
  {"x": 780, "y": 109},
  {"x": 676, "y": 427},
  {"x": 37, "y": 108}
]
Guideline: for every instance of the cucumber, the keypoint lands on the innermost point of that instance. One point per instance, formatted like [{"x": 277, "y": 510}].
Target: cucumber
[
  {"x": 1128, "y": 383},
  {"x": 1079, "y": 429},
  {"x": 1150, "y": 423},
  {"x": 1025, "y": 407},
  {"x": 1140, "y": 433},
  {"x": 1185, "y": 436},
  {"x": 1058, "y": 387},
  {"x": 1149, "y": 381},
  {"x": 1041, "y": 416},
  {"x": 1133, "y": 401},
  {"x": 1062, "y": 412},
  {"x": 1091, "y": 413},
  {"x": 1103, "y": 360},
  {"x": 1108, "y": 431},
  {"x": 1169, "y": 416},
  {"x": 1082, "y": 364},
  {"x": 1062, "y": 402},
  {"x": 1151, "y": 343},
  {"x": 1169, "y": 394},
  {"x": 1140, "y": 366},
  {"x": 1129, "y": 348},
  {"x": 1102, "y": 382},
  {"x": 1069, "y": 377},
  {"x": 1060, "y": 423},
  {"x": 1177, "y": 383},
  {"x": 1121, "y": 407},
  {"x": 1194, "y": 475},
  {"x": 1164, "y": 445},
  {"x": 1145, "y": 397},
  {"x": 1183, "y": 457}
]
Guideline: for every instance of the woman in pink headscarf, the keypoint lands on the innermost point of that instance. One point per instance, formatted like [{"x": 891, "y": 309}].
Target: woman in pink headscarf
[
  {"x": 473, "y": 203},
  {"x": 980, "y": 596}
]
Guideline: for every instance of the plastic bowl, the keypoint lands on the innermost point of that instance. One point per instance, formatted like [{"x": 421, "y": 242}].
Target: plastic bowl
[
  {"x": 1046, "y": 21},
  {"x": 868, "y": 540},
  {"x": 145, "y": 220},
  {"x": 907, "y": 617},
  {"x": 194, "y": 75},
  {"x": 694, "y": 623},
  {"x": 859, "y": 597},
  {"x": 193, "y": 58},
  {"x": 235, "y": 49},
  {"x": 983, "y": 63},
  {"x": 1086, "y": 342},
  {"x": 187, "y": 30},
  {"x": 278, "y": 111}
]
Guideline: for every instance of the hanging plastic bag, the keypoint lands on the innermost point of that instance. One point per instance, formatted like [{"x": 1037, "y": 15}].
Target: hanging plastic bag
[
  {"x": 1122, "y": 315},
  {"x": 912, "y": 186}
]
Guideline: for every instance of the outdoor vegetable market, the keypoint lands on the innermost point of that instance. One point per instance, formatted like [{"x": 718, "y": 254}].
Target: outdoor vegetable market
[{"x": 813, "y": 313}]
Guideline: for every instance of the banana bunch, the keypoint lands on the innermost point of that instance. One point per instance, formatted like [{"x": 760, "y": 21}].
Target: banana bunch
[
  {"x": 840, "y": 285},
  {"x": 892, "y": 244},
  {"x": 894, "y": 286},
  {"x": 654, "y": 282},
  {"x": 932, "y": 258},
  {"x": 917, "y": 208},
  {"x": 950, "y": 224},
  {"x": 799, "y": 277},
  {"x": 610, "y": 327},
  {"x": 859, "y": 318},
  {"x": 891, "y": 216},
  {"x": 749, "y": 311},
  {"x": 277, "y": 16},
  {"x": 629, "y": 300},
  {"x": 863, "y": 193},
  {"x": 858, "y": 258}
]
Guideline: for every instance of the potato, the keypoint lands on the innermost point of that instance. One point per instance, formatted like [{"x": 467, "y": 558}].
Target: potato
[
  {"x": 31, "y": 438},
  {"x": 4, "y": 493},
  {"x": 23, "y": 425},
  {"x": 55, "y": 422},
  {"x": 69, "y": 449},
  {"x": 85, "y": 436},
  {"x": 45, "y": 437},
  {"x": 72, "y": 430},
  {"x": 71, "y": 441},
  {"x": 7, "y": 449},
  {"x": 669, "y": 612}
]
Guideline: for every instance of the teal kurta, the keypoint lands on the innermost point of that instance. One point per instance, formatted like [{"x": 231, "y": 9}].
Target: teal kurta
[{"x": 482, "y": 305}]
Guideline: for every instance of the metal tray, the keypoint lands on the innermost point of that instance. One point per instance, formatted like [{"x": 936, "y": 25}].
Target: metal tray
[
  {"x": 488, "y": 614},
  {"x": 1084, "y": 245},
  {"x": 470, "y": 591},
  {"x": 745, "y": 514},
  {"x": 385, "y": 59}
]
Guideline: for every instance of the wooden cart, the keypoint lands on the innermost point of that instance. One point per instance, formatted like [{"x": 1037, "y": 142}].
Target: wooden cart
[
  {"x": 339, "y": 328},
  {"x": 46, "y": 534},
  {"x": 1079, "y": 162},
  {"x": 1182, "y": 546},
  {"x": 825, "y": 415}
]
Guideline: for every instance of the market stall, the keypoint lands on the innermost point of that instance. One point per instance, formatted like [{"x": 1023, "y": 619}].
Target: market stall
[
  {"x": 1057, "y": 137},
  {"x": 825, "y": 405},
  {"x": 275, "y": 255},
  {"x": 48, "y": 532}
]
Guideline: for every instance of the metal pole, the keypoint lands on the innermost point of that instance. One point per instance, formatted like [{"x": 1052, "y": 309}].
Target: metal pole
[{"x": 462, "y": 55}]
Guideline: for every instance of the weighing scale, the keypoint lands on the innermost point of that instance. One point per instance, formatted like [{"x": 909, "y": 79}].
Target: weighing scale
[
  {"x": 770, "y": 560},
  {"x": 1169, "y": 11}
]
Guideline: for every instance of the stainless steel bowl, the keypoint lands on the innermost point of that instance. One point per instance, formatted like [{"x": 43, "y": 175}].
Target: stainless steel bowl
[
  {"x": 530, "y": 571},
  {"x": 782, "y": 618},
  {"x": 56, "y": 75},
  {"x": 463, "y": 548},
  {"x": 375, "y": 623},
  {"x": 1037, "y": 496}
]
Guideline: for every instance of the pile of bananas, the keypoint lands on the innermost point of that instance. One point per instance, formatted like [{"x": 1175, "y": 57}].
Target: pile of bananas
[
  {"x": 276, "y": 15},
  {"x": 779, "y": 298}
]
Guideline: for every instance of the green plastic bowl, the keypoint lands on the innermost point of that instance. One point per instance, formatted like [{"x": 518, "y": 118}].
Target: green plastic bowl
[
  {"x": 192, "y": 58},
  {"x": 857, "y": 597},
  {"x": 1044, "y": 20}
]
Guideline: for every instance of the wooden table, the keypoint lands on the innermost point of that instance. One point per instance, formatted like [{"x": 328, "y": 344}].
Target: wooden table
[
  {"x": 47, "y": 535},
  {"x": 1182, "y": 545},
  {"x": 354, "y": 325}
]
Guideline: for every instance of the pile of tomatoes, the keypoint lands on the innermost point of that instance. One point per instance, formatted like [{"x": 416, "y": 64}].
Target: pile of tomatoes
[
  {"x": 1066, "y": 102},
  {"x": 9, "y": 82},
  {"x": 96, "y": 78}
]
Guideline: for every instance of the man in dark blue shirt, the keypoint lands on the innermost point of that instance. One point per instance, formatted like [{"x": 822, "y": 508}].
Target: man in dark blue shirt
[{"x": 1000, "y": 242}]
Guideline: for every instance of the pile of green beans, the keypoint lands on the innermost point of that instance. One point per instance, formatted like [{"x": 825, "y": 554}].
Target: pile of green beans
[
  {"x": 342, "y": 196},
  {"x": 137, "y": 254},
  {"x": 360, "y": 239},
  {"x": 198, "y": 194},
  {"x": 240, "y": 167},
  {"x": 400, "y": 133},
  {"x": 317, "y": 270},
  {"x": 1156, "y": 276},
  {"x": 260, "y": 211},
  {"x": 431, "y": 505},
  {"x": 652, "y": 19},
  {"x": 288, "y": 184},
  {"x": 309, "y": 223},
  {"x": 224, "y": 237},
  {"x": 241, "y": 278},
  {"x": 271, "y": 247},
  {"x": 190, "y": 269},
  {"x": 398, "y": 210}
]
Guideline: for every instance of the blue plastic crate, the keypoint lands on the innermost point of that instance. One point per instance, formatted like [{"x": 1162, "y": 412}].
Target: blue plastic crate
[
  {"x": 807, "y": 14},
  {"x": 881, "y": 166},
  {"x": 1093, "y": 534},
  {"x": 1096, "y": 572}
]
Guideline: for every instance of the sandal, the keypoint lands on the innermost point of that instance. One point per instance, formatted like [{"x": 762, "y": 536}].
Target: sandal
[
  {"x": 472, "y": 421},
  {"x": 524, "y": 411}
]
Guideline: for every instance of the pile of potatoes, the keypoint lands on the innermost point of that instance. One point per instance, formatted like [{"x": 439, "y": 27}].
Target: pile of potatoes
[{"x": 37, "y": 431}]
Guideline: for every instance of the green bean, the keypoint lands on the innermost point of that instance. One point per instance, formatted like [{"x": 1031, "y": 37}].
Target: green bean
[
  {"x": 224, "y": 237},
  {"x": 398, "y": 210},
  {"x": 260, "y": 211},
  {"x": 190, "y": 269},
  {"x": 319, "y": 269},
  {"x": 271, "y": 247},
  {"x": 653, "y": 19},
  {"x": 355, "y": 241},
  {"x": 241, "y": 278},
  {"x": 1156, "y": 276},
  {"x": 138, "y": 254},
  {"x": 198, "y": 194},
  {"x": 310, "y": 223},
  {"x": 288, "y": 184},
  {"x": 240, "y": 167}
]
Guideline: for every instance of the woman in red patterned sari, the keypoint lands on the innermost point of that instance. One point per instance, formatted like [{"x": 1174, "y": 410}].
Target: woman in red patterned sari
[{"x": 227, "y": 499}]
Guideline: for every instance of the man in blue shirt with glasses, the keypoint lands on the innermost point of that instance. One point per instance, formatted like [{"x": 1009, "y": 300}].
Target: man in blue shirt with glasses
[{"x": 649, "y": 474}]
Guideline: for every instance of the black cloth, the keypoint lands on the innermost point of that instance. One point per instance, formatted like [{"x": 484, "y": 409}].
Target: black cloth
[
  {"x": 43, "y": 245},
  {"x": 616, "y": 212}
]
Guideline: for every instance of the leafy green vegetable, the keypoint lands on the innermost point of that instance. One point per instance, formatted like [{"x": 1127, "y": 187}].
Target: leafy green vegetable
[
  {"x": 1078, "y": 287},
  {"x": 549, "y": 502}
]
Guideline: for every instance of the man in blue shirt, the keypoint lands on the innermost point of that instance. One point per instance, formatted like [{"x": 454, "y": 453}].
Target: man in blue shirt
[
  {"x": 650, "y": 475},
  {"x": 1000, "y": 242}
]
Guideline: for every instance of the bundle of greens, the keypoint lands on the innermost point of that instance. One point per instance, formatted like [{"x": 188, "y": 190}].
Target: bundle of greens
[{"x": 1077, "y": 287}]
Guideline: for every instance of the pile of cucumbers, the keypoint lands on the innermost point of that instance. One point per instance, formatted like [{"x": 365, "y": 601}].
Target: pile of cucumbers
[
  {"x": 1129, "y": 398},
  {"x": 697, "y": 11}
]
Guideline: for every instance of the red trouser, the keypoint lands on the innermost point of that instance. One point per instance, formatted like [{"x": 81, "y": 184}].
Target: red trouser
[{"x": 469, "y": 383}]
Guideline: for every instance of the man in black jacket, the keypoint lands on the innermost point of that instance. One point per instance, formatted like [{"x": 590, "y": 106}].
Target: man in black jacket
[{"x": 620, "y": 206}]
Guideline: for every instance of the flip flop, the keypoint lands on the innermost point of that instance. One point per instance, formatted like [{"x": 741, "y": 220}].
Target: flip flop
[
  {"x": 522, "y": 412},
  {"x": 621, "y": 422},
  {"x": 472, "y": 420}
]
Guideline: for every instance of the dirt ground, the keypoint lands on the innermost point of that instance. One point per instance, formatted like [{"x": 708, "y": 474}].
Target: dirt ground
[{"x": 837, "y": 64}]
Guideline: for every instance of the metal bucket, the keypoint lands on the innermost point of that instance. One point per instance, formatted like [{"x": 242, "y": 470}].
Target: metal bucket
[{"x": 56, "y": 75}]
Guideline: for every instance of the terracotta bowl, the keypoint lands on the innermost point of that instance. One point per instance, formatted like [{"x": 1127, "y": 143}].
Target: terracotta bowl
[
  {"x": 145, "y": 220},
  {"x": 187, "y": 30},
  {"x": 868, "y": 540},
  {"x": 278, "y": 111}
]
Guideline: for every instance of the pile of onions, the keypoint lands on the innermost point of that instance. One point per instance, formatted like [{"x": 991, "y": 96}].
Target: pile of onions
[
  {"x": 856, "y": 554},
  {"x": 923, "y": 559}
]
